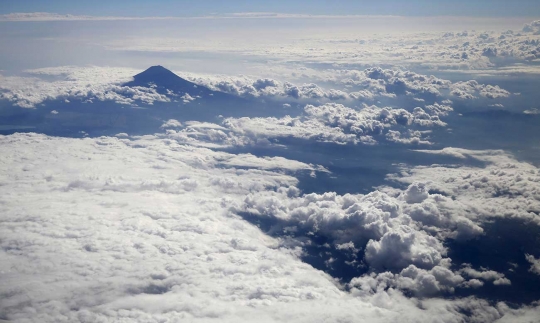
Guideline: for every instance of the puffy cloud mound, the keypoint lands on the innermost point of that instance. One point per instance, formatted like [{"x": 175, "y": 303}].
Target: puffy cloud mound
[
  {"x": 398, "y": 248},
  {"x": 398, "y": 235},
  {"x": 505, "y": 187},
  {"x": 533, "y": 27},
  {"x": 535, "y": 264},
  {"x": 171, "y": 123},
  {"x": 266, "y": 88},
  {"x": 366, "y": 85},
  {"x": 334, "y": 122},
  {"x": 145, "y": 228},
  {"x": 394, "y": 232},
  {"x": 416, "y": 193},
  {"x": 420, "y": 282},
  {"x": 466, "y": 90},
  {"x": 488, "y": 275}
]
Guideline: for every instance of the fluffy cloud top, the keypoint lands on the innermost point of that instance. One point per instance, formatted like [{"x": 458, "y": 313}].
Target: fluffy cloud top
[
  {"x": 357, "y": 85},
  {"x": 503, "y": 188},
  {"x": 144, "y": 226},
  {"x": 93, "y": 83},
  {"x": 395, "y": 232},
  {"x": 535, "y": 264},
  {"x": 371, "y": 84},
  {"x": 336, "y": 123},
  {"x": 533, "y": 27},
  {"x": 79, "y": 217}
]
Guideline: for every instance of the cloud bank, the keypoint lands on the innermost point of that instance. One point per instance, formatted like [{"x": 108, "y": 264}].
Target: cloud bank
[{"x": 148, "y": 228}]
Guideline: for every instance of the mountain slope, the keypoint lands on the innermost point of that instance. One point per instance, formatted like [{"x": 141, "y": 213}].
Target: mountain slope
[{"x": 166, "y": 82}]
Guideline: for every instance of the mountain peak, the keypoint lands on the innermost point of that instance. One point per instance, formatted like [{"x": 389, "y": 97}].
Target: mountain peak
[
  {"x": 166, "y": 82},
  {"x": 156, "y": 67},
  {"x": 160, "y": 77},
  {"x": 154, "y": 73}
]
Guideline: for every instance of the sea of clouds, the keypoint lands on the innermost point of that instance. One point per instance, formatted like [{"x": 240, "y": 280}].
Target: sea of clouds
[
  {"x": 178, "y": 226},
  {"x": 148, "y": 229}
]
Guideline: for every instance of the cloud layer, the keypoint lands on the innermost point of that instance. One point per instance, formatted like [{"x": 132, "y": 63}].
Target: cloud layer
[
  {"x": 175, "y": 226},
  {"x": 148, "y": 228}
]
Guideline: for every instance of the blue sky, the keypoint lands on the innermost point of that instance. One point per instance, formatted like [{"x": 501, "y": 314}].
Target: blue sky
[{"x": 528, "y": 8}]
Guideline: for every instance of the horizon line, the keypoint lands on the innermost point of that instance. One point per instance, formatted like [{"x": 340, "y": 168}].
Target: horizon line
[{"x": 49, "y": 16}]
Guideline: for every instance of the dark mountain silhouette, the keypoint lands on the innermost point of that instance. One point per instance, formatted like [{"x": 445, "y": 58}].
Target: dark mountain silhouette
[
  {"x": 168, "y": 83},
  {"x": 159, "y": 74}
]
